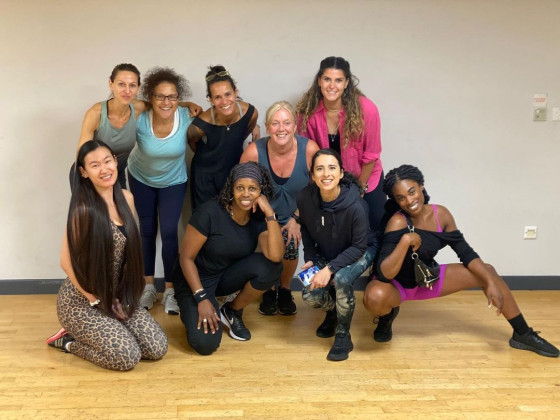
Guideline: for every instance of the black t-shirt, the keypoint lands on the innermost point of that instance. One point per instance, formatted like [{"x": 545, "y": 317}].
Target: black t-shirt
[{"x": 227, "y": 242}]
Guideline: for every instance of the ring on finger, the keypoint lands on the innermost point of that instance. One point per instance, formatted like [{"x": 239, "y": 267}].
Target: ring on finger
[{"x": 204, "y": 320}]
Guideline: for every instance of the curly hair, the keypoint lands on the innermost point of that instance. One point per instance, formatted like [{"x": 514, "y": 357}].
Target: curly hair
[
  {"x": 267, "y": 187},
  {"x": 398, "y": 174},
  {"x": 158, "y": 75},
  {"x": 354, "y": 120},
  {"x": 217, "y": 74}
]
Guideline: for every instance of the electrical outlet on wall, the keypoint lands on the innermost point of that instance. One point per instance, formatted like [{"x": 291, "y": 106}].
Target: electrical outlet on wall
[
  {"x": 530, "y": 232},
  {"x": 539, "y": 114}
]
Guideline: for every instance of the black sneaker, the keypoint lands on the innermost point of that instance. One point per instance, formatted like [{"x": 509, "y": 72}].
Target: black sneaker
[
  {"x": 232, "y": 319},
  {"x": 328, "y": 327},
  {"x": 341, "y": 347},
  {"x": 531, "y": 341},
  {"x": 384, "y": 330},
  {"x": 61, "y": 342},
  {"x": 286, "y": 304},
  {"x": 268, "y": 304}
]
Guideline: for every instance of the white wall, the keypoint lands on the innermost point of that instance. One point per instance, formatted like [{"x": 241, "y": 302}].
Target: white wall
[{"x": 453, "y": 80}]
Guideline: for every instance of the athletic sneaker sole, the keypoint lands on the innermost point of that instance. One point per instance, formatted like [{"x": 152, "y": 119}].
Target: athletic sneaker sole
[
  {"x": 171, "y": 312},
  {"x": 520, "y": 346},
  {"x": 228, "y": 325},
  {"x": 56, "y": 336}
]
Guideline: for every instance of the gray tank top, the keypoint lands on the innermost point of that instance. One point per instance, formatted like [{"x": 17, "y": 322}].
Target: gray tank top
[
  {"x": 121, "y": 140},
  {"x": 285, "y": 193}
]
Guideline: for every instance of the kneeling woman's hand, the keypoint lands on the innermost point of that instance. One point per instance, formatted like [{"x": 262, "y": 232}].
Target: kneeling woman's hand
[
  {"x": 208, "y": 318},
  {"x": 118, "y": 310}
]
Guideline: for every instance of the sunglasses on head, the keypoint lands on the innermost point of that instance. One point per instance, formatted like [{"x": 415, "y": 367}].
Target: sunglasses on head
[{"x": 219, "y": 74}]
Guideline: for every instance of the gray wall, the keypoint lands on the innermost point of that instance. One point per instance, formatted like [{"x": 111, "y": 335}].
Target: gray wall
[{"x": 453, "y": 80}]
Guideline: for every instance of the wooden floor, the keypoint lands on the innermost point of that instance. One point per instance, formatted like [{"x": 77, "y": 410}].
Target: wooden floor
[{"x": 449, "y": 359}]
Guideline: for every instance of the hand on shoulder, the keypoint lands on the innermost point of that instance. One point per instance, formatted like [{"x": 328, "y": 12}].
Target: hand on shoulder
[
  {"x": 140, "y": 106},
  {"x": 250, "y": 154}
]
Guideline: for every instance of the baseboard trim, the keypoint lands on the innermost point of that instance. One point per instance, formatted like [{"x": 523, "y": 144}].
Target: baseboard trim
[{"x": 46, "y": 287}]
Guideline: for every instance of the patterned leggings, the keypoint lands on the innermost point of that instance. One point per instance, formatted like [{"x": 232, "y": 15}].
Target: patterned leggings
[{"x": 105, "y": 341}]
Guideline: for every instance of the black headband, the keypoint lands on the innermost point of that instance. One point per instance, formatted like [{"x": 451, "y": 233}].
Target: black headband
[{"x": 247, "y": 170}]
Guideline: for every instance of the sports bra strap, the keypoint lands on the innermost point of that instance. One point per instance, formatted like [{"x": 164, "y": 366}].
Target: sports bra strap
[
  {"x": 214, "y": 118},
  {"x": 409, "y": 221}
]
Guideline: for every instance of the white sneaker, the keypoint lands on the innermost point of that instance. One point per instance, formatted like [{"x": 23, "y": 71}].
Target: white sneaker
[
  {"x": 149, "y": 297},
  {"x": 169, "y": 301}
]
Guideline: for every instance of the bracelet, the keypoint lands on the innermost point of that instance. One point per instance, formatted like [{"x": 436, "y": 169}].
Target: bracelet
[
  {"x": 200, "y": 295},
  {"x": 94, "y": 303},
  {"x": 365, "y": 188},
  {"x": 296, "y": 218}
]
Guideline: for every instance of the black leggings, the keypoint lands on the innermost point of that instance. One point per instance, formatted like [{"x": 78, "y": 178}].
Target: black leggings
[
  {"x": 256, "y": 269},
  {"x": 376, "y": 202}
]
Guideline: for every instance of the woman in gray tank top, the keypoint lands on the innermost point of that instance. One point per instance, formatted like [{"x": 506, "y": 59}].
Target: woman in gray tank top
[
  {"x": 287, "y": 157},
  {"x": 114, "y": 121}
]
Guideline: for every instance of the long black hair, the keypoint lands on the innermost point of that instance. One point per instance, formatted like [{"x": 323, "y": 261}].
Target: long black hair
[
  {"x": 90, "y": 241},
  {"x": 395, "y": 175}
]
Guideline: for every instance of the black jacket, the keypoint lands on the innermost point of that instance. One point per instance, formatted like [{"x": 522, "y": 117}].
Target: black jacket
[{"x": 337, "y": 231}]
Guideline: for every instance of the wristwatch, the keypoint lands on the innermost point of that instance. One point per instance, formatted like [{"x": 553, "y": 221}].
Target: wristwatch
[{"x": 272, "y": 218}]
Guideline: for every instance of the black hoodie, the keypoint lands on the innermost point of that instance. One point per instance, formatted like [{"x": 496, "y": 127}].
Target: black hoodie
[{"x": 337, "y": 231}]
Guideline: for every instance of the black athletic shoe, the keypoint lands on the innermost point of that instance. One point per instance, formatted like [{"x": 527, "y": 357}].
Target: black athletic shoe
[
  {"x": 234, "y": 321},
  {"x": 61, "y": 341},
  {"x": 328, "y": 327},
  {"x": 384, "y": 330},
  {"x": 268, "y": 304},
  {"x": 531, "y": 341},
  {"x": 341, "y": 347},
  {"x": 285, "y": 303}
]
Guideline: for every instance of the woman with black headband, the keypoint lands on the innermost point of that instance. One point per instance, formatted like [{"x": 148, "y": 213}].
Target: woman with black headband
[
  {"x": 217, "y": 257},
  {"x": 217, "y": 135}
]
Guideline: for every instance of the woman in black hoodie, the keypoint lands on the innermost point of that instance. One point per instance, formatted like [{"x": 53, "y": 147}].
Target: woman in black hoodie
[{"x": 336, "y": 238}]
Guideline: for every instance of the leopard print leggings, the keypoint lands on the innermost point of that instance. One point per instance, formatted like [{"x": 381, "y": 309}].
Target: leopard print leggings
[{"x": 105, "y": 341}]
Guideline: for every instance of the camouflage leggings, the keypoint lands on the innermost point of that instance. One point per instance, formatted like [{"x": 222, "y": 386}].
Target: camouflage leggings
[{"x": 342, "y": 289}]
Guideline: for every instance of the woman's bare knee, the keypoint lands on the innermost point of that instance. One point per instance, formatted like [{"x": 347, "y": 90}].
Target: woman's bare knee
[{"x": 376, "y": 299}]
